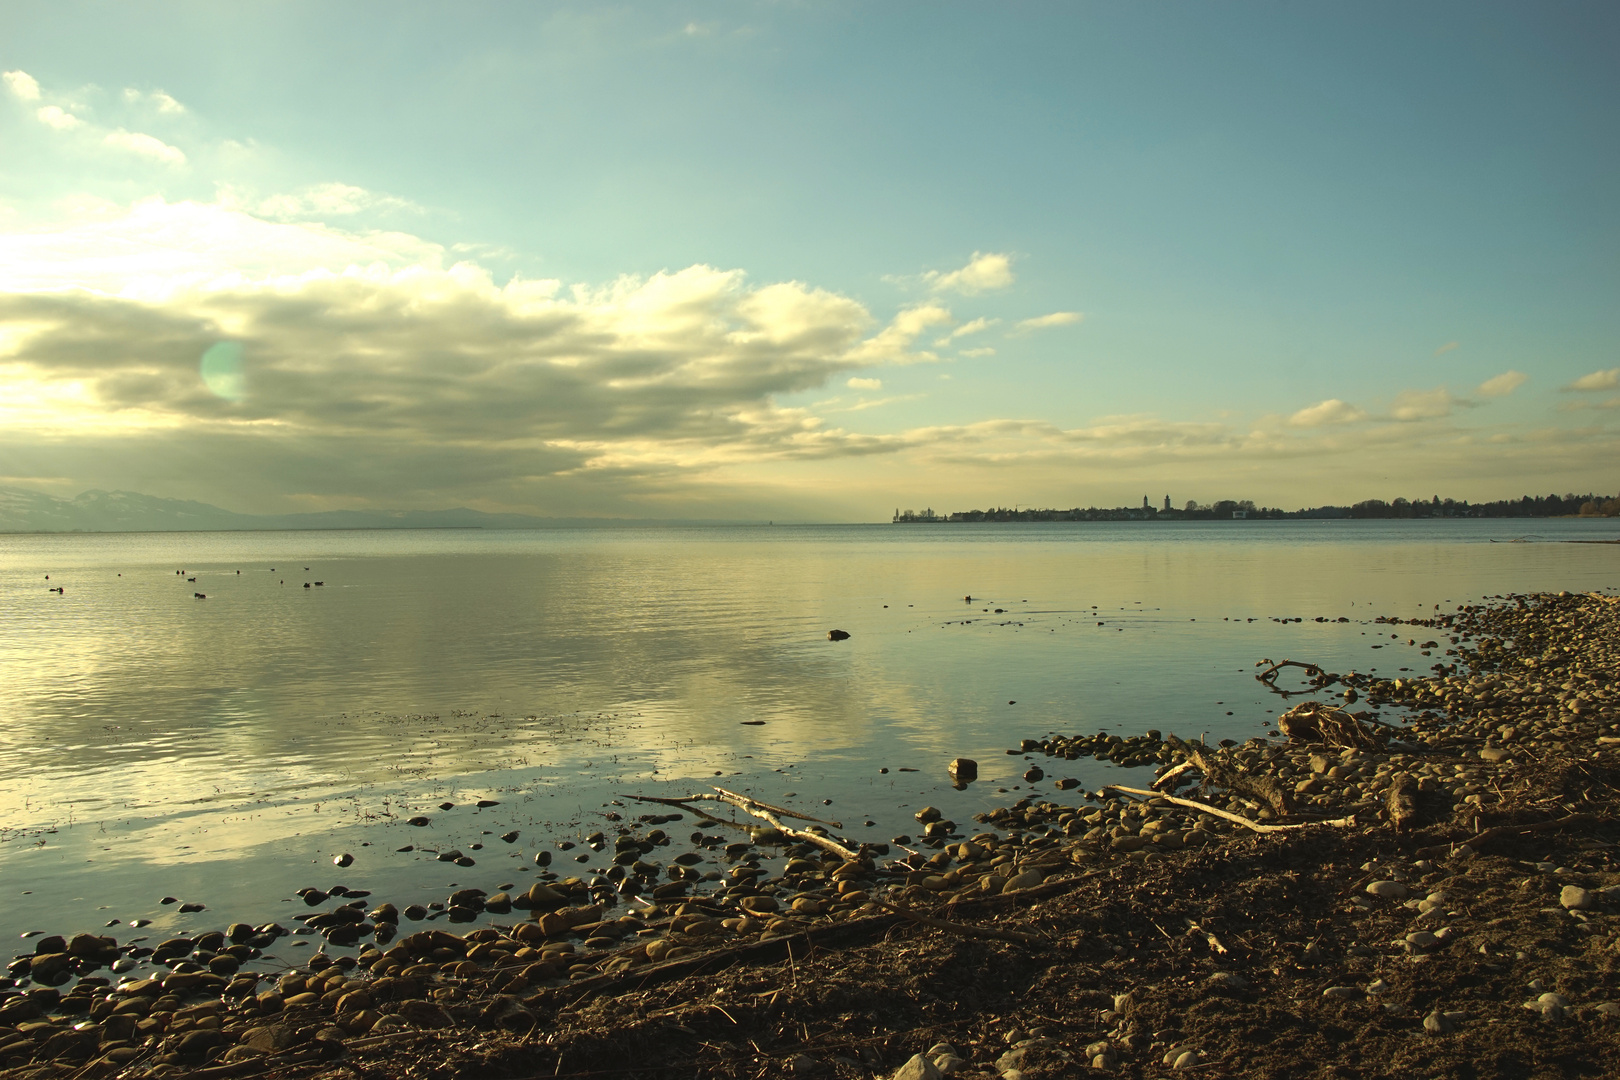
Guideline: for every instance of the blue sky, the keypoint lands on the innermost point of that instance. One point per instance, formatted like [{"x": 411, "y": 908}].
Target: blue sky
[{"x": 809, "y": 261}]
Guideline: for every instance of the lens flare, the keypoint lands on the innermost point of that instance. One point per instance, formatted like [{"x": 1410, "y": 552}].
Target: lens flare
[{"x": 221, "y": 371}]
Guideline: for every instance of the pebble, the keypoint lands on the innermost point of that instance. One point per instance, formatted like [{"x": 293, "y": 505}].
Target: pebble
[
  {"x": 1438, "y": 1023},
  {"x": 1388, "y": 890},
  {"x": 1575, "y": 898},
  {"x": 1342, "y": 993}
]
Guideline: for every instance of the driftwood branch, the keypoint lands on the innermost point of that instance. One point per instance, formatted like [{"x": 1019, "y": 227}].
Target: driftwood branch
[
  {"x": 698, "y": 810},
  {"x": 1016, "y": 936},
  {"x": 1269, "y": 675},
  {"x": 1265, "y": 789},
  {"x": 1227, "y": 815},
  {"x": 739, "y": 801},
  {"x": 763, "y": 811},
  {"x": 1314, "y": 721},
  {"x": 1170, "y": 779}
]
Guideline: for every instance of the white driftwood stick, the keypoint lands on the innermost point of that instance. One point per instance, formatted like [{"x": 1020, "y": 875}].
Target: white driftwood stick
[{"x": 1191, "y": 804}]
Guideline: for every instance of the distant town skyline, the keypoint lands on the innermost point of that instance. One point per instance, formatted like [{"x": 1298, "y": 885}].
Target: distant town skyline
[{"x": 762, "y": 261}]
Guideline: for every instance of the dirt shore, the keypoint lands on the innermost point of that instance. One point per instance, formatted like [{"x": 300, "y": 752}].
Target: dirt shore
[{"x": 1437, "y": 899}]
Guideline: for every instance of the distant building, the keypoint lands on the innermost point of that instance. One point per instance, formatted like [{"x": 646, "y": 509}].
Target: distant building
[
  {"x": 1167, "y": 504},
  {"x": 1240, "y": 513},
  {"x": 1145, "y": 505}
]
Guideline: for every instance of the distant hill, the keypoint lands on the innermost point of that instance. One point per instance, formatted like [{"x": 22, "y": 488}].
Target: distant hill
[{"x": 24, "y": 511}]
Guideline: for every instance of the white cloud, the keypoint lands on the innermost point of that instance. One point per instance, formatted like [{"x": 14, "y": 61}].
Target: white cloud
[
  {"x": 1423, "y": 404},
  {"x": 22, "y": 85},
  {"x": 864, "y": 384},
  {"x": 1597, "y": 380},
  {"x": 1042, "y": 322},
  {"x": 893, "y": 343},
  {"x": 57, "y": 117},
  {"x": 155, "y": 249},
  {"x": 1447, "y": 347},
  {"x": 974, "y": 353},
  {"x": 329, "y": 200},
  {"x": 160, "y": 101},
  {"x": 977, "y": 326},
  {"x": 1504, "y": 384},
  {"x": 983, "y": 273},
  {"x": 1331, "y": 411},
  {"x": 146, "y": 146}
]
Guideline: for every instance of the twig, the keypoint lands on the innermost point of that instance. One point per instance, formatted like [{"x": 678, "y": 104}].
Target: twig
[
  {"x": 738, "y": 800},
  {"x": 1015, "y": 936},
  {"x": 763, "y": 811},
  {"x": 1167, "y": 779},
  {"x": 1343, "y": 823}
]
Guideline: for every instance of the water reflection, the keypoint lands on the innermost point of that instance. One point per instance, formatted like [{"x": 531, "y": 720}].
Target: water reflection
[{"x": 269, "y": 724}]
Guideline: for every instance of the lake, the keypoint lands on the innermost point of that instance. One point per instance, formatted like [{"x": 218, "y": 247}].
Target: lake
[{"x": 224, "y": 750}]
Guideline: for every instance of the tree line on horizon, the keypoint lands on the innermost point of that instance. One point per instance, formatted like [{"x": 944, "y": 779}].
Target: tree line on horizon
[{"x": 1528, "y": 506}]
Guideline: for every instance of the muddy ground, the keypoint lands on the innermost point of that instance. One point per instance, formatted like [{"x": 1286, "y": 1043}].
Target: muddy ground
[{"x": 1448, "y": 906}]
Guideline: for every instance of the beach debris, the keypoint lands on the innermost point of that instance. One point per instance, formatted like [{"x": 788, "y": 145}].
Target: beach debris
[
  {"x": 1223, "y": 769},
  {"x": 1400, "y": 802},
  {"x": 1318, "y": 722},
  {"x": 1227, "y": 815}
]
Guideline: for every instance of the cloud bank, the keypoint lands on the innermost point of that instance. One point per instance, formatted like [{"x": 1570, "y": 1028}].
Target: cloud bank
[
  {"x": 397, "y": 364},
  {"x": 251, "y": 357}
]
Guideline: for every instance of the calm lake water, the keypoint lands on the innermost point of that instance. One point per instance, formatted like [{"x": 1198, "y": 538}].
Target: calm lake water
[{"x": 223, "y": 750}]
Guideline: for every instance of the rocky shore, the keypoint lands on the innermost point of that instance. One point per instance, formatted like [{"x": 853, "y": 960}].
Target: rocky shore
[{"x": 1435, "y": 895}]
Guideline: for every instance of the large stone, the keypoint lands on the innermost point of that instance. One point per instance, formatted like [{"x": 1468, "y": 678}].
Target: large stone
[
  {"x": 1388, "y": 890},
  {"x": 199, "y": 1042},
  {"x": 1576, "y": 898},
  {"x": 918, "y": 1068}
]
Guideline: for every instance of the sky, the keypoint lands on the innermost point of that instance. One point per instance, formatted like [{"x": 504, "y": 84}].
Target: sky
[{"x": 808, "y": 262}]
